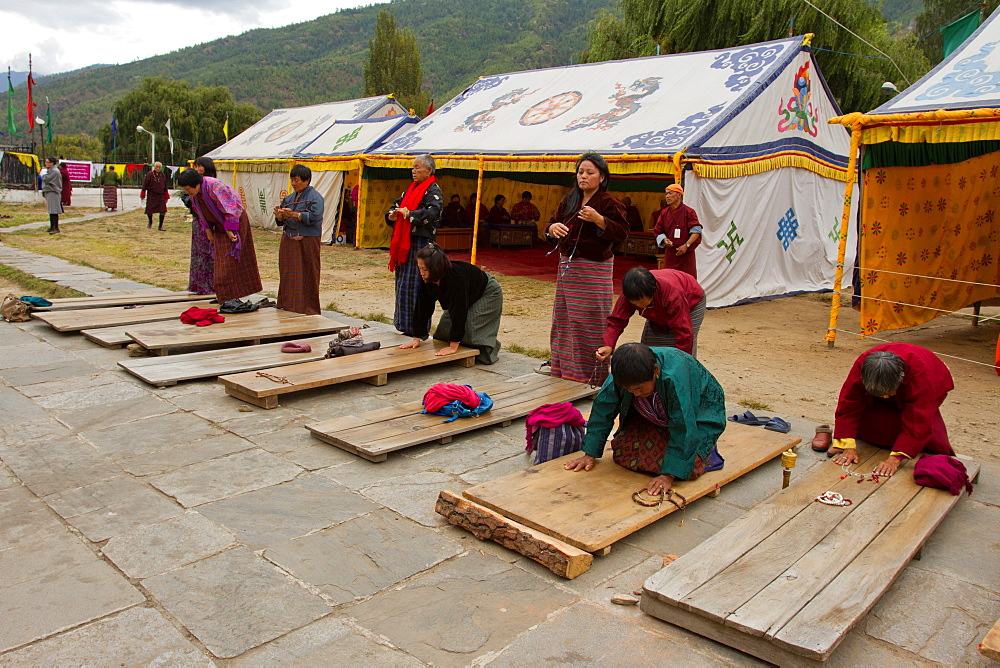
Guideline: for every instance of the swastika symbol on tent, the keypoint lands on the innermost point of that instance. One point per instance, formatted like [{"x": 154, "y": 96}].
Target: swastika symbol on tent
[
  {"x": 732, "y": 242},
  {"x": 835, "y": 231},
  {"x": 788, "y": 228},
  {"x": 263, "y": 202}
]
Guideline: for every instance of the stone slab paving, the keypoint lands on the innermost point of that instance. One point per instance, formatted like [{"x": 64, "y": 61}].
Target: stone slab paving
[{"x": 168, "y": 526}]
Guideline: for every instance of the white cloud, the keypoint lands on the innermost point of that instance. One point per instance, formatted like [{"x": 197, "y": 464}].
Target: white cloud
[{"x": 69, "y": 34}]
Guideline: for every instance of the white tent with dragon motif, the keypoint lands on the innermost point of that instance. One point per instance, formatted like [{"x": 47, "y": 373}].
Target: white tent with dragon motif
[
  {"x": 323, "y": 136},
  {"x": 745, "y": 129}
]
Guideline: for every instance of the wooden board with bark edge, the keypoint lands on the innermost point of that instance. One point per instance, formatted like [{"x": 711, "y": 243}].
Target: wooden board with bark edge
[
  {"x": 374, "y": 434},
  {"x": 102, "y": 301},
  {"x": 562, "y": 559},
  {"x": 166, "y": 371},
  {"x": 811, "y": 599},
  {"x": 372, "y": 367},
  {"x": 591, "y": 510},
  {"x": 116, "y": 316}
]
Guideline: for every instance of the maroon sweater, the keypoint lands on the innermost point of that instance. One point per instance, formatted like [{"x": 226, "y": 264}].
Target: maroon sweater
[{"x": 591, "y": 242}]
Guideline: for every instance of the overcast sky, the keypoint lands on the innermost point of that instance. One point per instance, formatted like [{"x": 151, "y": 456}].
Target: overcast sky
[{"x": 65, "y": 35}]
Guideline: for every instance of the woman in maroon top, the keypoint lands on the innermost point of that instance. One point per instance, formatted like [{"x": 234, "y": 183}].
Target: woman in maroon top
[{"x": 586, "y": 226}]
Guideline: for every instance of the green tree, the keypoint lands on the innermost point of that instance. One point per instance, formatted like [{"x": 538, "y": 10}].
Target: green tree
[
  {"x": 638, "y": 27},
  {"x": 78, "y": 147},
  {"x": 196, "y": 119},
  {"x": 939, "y": 13},
  {"x": 393, "y": 65}
]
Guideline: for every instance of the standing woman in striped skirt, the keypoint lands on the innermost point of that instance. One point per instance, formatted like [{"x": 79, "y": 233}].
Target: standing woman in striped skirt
[{"x": 587, "y": 225}]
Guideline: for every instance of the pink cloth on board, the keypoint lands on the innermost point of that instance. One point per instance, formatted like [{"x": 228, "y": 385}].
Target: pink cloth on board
[
  {"x": 550, "y": 416},
  {"x": 445, "y": 393}
]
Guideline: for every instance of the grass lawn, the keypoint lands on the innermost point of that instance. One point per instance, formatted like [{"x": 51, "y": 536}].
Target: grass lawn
[{"x": 12, "y": 215}]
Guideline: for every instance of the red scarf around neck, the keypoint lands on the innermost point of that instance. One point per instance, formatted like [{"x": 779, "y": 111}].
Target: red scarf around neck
[{"x": 399, "y": 249}]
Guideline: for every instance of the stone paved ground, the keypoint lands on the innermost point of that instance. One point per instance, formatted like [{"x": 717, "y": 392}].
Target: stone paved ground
[{"x": 144, "y": 525}]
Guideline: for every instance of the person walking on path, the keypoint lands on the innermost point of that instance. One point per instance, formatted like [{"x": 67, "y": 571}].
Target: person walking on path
[
  {"x": 155, "y": 192},
  {"x": 110, "y": 182},
  {"x": 300, "y": 215},
  {"x": 52, "y": 186}
]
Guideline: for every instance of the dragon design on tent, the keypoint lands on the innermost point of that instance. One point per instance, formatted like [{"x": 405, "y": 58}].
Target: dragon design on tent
[
  {"x": 626, "y": 101},
  {"x": 481, "y": 120},
  {"x": 663, "y": 139},
  {"x": 798, "y": 110}
]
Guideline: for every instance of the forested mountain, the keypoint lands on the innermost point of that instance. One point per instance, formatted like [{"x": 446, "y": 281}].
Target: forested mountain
[{"x": 321, "y": 60}]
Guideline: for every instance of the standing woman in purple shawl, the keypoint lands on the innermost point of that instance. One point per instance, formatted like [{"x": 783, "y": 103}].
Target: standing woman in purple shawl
[
  {"x": 217, "y": 209},
  {"x": 200, "y": 277}
]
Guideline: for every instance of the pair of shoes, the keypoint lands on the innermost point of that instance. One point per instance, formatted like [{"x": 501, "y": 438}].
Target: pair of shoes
[
  {"x": 778, "y": 425},
  {"x": 160, "y": 228},
  {"x": 545, "y": 369},
  {"x": 749, "y": 418},
  {"x": 53, "y": 231},
  {"x": 823, "y": 438}
]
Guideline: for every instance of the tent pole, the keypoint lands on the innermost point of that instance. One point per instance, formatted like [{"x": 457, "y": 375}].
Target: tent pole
[
  {"x": 838, "y": 277},
  {"x": 475, "y": 219},
  {"x": 361, "y": 204},
  {"x": 340, "y": 211}
]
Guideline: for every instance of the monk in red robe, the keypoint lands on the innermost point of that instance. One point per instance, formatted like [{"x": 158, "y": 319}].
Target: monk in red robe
[
  {"x": 678, "y": 232},
  {"x": 892, "y": 399}
]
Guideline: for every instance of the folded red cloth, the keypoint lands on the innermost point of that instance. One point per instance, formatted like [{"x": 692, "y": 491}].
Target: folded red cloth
[
  {"x": 445, "y": 393},
  {"x": 551, "y": 416},
  {"x": 942, "y": 472},
  {"x": 295, "y": 347},
  {"x": 201, "y": 316}
]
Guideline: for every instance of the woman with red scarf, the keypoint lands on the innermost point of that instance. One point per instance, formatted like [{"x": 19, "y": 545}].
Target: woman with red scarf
[{"x": 414, "y": 218}]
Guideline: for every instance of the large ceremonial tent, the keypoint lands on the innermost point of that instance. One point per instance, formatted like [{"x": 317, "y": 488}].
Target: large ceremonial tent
[
  {"x": 322, "y": 136},
  {"x": 746, "y": 130},
  {"x": 930, "y": 163}
]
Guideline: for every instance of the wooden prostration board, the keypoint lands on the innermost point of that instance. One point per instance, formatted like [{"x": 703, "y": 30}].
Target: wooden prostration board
[
  {"x": 591, "y": 510},
  {"x": 74, "y": 303},
  {"x": 267, "y": 323},
  {"x": 164, "y": 371},
  {"x": 374, "y": 434},
  {"x": 373, "y": 367},
  {"x": 93, "y": 318},
  {"x": 789, "y": 580}
]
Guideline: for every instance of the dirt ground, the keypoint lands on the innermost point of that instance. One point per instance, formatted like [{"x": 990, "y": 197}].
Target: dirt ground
[{"x": 770, "y": 354}]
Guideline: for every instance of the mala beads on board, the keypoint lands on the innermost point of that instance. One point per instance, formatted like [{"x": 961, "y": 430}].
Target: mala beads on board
[
  {"x": 833, "y": 499},
  {"x": 874, "y": 477}
]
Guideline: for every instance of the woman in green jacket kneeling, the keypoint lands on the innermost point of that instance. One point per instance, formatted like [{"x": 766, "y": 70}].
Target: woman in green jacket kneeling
[{"x": 672, "y": 413}]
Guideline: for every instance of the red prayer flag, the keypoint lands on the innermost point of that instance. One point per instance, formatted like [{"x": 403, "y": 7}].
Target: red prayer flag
[
  {"x": 31, "y": 104},
  {"x": 430, "y": 109}
]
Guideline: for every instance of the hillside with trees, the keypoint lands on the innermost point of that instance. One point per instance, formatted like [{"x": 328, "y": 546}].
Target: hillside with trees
[{"x": 322, "y": 60}]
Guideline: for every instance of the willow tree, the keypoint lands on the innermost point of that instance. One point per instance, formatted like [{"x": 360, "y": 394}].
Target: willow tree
[
  {"x": 393, "y": 65},
  {"x": 641, "y": 27}
]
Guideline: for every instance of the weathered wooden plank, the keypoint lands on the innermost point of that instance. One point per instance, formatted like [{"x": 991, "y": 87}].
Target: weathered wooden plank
[
  {"x": 163, "y": 371},
  {"x": 321, "y": 373},
  {"x": 389, "y": 429},
  {"x": 777, "y": 553},
  {"x": 990, "y": 647},
  {"x": 102, "y": 301},
  {"x": 821, "y": 625},
  {"x": 774, "y": 605},
  {"x": 116, "y": 316},
  {"x": 562, "y": 559},
  {"x": 722, "y": 549},
  {"x": 263, "y": 324},
  {"x": 591, "y": 510}
]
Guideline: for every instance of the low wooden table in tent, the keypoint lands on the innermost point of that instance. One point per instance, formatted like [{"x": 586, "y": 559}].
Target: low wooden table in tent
[
  {"x": 371, "y": 367},
  {"x": 75, "y": 303},
  {"x": 268, "y": 323},
  {"x": 166, "y": 371},
  {"x": 579, "y": 513},
  {"x": 787, "y": 581},
  {"x": 374, "y": 434},
  {"x": 116, "y": 316}
]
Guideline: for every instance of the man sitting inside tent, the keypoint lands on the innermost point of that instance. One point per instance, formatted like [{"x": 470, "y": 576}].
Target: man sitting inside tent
[
  {"x": 892, "y": 399},
  {"x": 672, "y": 412},
  {"x": 454, "y": 214}
]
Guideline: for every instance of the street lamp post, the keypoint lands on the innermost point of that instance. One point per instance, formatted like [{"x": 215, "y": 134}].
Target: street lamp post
[{"x": 152, "y": 144}]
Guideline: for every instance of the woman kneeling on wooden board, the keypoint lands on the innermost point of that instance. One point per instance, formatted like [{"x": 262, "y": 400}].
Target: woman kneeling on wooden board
[{"x": 472, "y": 301}]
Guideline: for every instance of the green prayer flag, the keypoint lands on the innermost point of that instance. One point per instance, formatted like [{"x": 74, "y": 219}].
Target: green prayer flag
[
  {"x": 955, "y": 33},
  {"x": 48, "y": 123},
  {"x": 11, "y": 128}
]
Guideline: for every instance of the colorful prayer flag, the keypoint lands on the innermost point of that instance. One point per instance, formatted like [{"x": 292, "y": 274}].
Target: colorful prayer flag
[
  {"x": 11, "y": 128},
  {"x": 31, "y": 105},
  {"x": 430, "y": 109},
  {"x": 225, "y": 127},
  {"x": 170, "y": 136}
]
